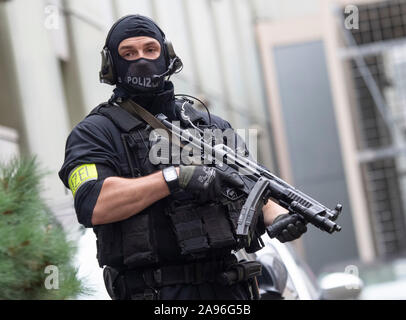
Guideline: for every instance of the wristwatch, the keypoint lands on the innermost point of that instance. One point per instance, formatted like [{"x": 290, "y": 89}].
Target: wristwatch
[{"x": 171, "y": 178}]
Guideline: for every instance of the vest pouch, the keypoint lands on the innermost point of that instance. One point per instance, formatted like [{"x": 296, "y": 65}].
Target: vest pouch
[
  {"x": 138, "y": 143},
  {"x": 137, "y": 242},
  {"x": 189, "y": 229},
  {"x": 218, "y": 226},
  {"x": 109, "y": 251}
]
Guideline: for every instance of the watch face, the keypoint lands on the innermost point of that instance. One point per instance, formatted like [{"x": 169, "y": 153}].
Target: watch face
[{"x": 171, "y": 174}]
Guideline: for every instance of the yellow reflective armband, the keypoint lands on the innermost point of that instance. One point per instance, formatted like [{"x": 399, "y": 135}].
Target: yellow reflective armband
[{"x": 80, "y": 175}]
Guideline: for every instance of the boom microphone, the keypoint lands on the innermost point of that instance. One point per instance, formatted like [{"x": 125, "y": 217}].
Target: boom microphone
[{"x": 156, "y": 77}]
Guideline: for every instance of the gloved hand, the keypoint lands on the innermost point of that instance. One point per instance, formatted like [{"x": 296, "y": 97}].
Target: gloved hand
[
  {"x": 206, "y": 183},
  {"x": 291, "y": 227}
]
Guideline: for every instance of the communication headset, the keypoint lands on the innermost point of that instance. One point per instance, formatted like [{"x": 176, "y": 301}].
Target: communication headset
[{"x": 107, "y": 73}]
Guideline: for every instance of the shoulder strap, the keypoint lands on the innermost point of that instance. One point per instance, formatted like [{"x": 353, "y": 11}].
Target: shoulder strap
[
  {"x": 124, "y": 120},
  {"x": 135, "y": 110}
]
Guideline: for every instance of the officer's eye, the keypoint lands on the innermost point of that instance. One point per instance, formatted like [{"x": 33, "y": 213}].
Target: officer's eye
[
  {"x": 151, "y": 50},
  {"x": 129, "y": 54}
]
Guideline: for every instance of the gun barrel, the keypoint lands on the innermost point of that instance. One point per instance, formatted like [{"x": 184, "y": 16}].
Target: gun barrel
[{"x": 315, "y": 216}]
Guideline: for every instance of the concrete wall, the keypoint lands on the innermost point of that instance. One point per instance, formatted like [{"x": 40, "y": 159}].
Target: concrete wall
[
  {"x": 36, "y": 102},
  {"x": 8, "y": 144}
]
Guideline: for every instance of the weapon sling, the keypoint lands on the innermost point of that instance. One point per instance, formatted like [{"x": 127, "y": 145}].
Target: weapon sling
[{"x": 135, "y": 109}]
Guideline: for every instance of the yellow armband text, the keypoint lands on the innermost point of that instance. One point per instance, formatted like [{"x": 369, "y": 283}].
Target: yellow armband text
[{"x": 80, "y": 175}]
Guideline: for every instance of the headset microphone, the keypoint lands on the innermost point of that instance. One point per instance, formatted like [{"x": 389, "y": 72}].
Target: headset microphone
[
  {"x": 170, "y": 70},
  {"x": 157, "y": 77}
]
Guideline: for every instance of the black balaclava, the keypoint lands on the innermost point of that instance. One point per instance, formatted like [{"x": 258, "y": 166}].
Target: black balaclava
[{"x": 136, "y": 77}]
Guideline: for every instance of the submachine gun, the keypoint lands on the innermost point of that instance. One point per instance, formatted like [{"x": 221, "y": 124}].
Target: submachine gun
[{"x": 259, "y": 183}]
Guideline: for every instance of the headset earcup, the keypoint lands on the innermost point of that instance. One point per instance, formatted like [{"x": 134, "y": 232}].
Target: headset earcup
[
  {"x": 172, "y": 56},
  {"x": 106, "y": 73},
  {"x": 170, "y": 49}
]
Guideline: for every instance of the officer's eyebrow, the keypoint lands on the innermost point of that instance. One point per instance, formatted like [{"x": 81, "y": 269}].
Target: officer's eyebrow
[
  {"x": 126, "y": 47},
  {"x": 151, "y": 42}
]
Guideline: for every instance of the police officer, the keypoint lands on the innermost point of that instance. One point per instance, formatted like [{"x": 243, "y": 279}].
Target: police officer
[{"x": 161, "y": 231}]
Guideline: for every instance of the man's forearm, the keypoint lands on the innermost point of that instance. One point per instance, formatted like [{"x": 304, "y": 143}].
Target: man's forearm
[
  {"x": 120, "y": 198},
  {"x": 271, "y": 210}
]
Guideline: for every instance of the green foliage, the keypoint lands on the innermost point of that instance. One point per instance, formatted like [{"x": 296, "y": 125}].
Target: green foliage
[{"x": 31, "y": 239}]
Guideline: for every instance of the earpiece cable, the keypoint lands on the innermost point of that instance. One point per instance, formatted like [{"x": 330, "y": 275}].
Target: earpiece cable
[{"x": 190, "y": 96}]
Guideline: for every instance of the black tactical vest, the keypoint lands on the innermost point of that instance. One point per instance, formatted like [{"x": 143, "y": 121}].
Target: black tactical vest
[{"x": 172, "y": 230}]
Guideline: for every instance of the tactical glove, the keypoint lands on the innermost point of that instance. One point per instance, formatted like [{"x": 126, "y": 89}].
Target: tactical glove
[
  {"x": 291, "y": 227},
  {"x": 206, "y": 183}
]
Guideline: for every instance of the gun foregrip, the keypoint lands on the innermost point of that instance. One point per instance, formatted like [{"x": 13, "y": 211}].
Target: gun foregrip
[{"x": 276, "y": 228}]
